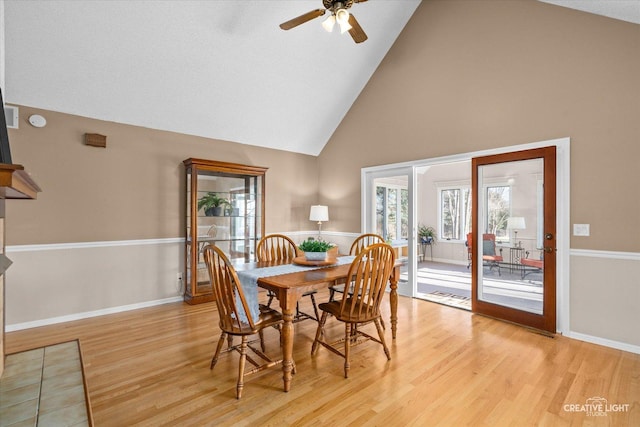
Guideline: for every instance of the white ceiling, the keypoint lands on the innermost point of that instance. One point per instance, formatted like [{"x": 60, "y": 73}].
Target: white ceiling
[
  {"x": 220, "y": 69},
  {"x": 625, "y": 10}
]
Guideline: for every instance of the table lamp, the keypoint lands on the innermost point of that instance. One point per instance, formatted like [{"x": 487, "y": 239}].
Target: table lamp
[
  {"x": 516, "y": 223},
  {"x": 319, "y": 213}
]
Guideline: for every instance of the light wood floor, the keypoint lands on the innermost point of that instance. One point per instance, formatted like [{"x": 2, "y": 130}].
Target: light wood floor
[{"x": 449, "y": 367}]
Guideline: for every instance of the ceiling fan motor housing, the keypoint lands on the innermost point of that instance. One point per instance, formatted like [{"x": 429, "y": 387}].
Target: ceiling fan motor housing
[{"x": 334, "y": 5}]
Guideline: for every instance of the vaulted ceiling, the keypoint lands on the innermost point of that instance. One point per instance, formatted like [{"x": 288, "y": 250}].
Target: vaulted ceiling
[{"x": 219, "y": 69}]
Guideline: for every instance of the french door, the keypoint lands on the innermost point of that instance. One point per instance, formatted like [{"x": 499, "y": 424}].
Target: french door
[
  {"x": 389, "y": 211},
  {"x": 513, "y": 238}
]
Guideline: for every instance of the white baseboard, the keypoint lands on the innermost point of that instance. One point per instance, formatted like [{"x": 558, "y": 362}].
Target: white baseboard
[
  {"x": 604, "y": 342},
  {"x": 88, "y": 314}
]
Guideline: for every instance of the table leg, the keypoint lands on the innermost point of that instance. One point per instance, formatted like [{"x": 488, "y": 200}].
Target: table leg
[
  {"x": 287, "y": 341},
  {"x": 393, "y": 300}
]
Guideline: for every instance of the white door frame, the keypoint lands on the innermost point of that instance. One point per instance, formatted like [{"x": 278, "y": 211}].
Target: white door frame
[
  {"x": 368, "y": 212},
  {"x": 562, "y": 211}
]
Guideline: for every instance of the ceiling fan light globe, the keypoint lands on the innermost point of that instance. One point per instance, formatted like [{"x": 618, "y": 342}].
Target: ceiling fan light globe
[
  {"x": 329, "y": 23},
  {"x": 344, "y": 27},
  {"x": 342, "y": 16}
]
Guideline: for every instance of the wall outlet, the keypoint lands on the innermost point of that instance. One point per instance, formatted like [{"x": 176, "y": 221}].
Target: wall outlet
[
  {"x": 179, "y": 285},
  {"x": 580, "y": 229}
]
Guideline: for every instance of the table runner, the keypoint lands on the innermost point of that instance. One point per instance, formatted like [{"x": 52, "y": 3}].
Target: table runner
[{"x": 249, "y": 281}]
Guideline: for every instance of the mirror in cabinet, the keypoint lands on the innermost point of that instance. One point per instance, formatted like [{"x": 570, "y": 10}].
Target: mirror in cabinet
[{"x": 225, "y": 208}]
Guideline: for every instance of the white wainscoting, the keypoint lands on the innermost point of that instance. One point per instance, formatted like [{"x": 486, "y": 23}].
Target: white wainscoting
[
  {"x": 56, "y": 283},
  {"x": 605, "y": 298},
  {"x": 49, "y": 284}
]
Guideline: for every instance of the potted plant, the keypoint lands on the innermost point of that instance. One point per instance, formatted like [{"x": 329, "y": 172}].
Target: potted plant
[
  {"x": 212, "y": 204},
  {"x": 426, "y": 234},
  {"x": 315, "y": 250}
]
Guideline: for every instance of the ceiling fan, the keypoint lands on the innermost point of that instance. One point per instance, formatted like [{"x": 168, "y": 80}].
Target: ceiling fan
[{"x": 339, "y": 14}]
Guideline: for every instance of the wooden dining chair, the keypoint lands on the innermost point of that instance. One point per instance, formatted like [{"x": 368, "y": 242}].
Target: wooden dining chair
[
  {"x": 357, "y": 246},
  {"x": 370, "y": 271},
  {"x": 235, "y": 317},
  {"x": 278, "y": 247}
]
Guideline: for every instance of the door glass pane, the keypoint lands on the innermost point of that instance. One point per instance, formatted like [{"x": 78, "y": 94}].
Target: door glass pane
[
  {"x": 498, "y": 210},
  {"x": 404, "y": 213},
  {"x": 509, "y": 257},
  {"x": 392, "y": 205},
  {"x": 392, "y": 211},
  {"x": 450, "y": 214},
  {"x": 380, "y": 210},
  {"x": 392, "y": 214}
]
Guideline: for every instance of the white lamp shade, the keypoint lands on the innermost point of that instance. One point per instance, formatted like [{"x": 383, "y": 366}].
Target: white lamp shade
[
  {"x": 516, "y": 223},
  {"x": 319, "y": 213},
  {"x": 342, "y": 16},
  {"x": 329, "y": 23}
]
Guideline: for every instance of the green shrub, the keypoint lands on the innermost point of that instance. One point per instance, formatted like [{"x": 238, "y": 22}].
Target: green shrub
[{"x": 315, "y": 246}]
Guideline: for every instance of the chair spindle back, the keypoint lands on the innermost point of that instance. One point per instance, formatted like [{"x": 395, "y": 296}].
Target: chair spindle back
[
  {"x": 276, "y": 247},
  {"x": 370, "y": 272},
  {"x": 227, "y": 291},
  {"x": 363, "y": 241}
]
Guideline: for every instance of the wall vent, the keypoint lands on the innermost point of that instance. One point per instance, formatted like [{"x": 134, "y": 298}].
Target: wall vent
[{"x": 11, "y": 115}]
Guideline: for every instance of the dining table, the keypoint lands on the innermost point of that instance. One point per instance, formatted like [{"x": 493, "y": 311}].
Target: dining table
[{"x": 289, "y": 288}]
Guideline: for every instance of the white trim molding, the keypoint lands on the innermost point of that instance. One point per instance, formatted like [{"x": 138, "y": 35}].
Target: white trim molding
[
  {"x": 605, "y": 342},
  {"x": 83, "y": 245},
  {"x": 89, "y": 314},
  {"x": 631, "y": 256}
]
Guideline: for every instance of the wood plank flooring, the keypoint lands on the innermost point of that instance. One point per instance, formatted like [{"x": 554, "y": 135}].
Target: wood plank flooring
[{"x": 150, "y": 367}]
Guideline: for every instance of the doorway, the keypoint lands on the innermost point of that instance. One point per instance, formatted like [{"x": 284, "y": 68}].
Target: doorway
[
  {"x": 509, "y": 191},
  {"x": 451, "y": 245}
]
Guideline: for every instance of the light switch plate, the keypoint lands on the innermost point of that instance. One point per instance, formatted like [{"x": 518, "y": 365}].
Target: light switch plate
[{"x": 580, "y": 229}]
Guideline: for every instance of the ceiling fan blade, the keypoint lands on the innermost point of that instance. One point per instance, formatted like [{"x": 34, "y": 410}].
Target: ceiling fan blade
[
  {"x": 356, "y": 31},
  {"x": 302, "y": 19},
  {"x": 359, "y": 1}
]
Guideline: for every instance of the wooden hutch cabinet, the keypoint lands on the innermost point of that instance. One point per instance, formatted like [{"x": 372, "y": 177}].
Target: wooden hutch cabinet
[{"x": 225, "y": 208}]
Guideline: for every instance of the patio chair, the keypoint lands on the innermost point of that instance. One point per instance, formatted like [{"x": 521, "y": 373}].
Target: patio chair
[
  {"x": 537, "y": 265},
  {"x": 490, "y": 256}
]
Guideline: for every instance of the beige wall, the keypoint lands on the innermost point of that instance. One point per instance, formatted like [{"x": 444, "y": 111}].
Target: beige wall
[
  {"x": 464, "y": 76},
  {"x": 134, "y": 188},
  {"x": 471, "y": 75},
  {"x": 107, "y": 231}
]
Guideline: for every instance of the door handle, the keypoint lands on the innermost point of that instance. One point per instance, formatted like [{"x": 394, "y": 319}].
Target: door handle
[{"x": 548, "y": 249}]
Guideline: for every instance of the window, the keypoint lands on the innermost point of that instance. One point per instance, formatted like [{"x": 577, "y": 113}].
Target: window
[
  {"x": 455, "y": 212},
  {"x": 392, "y": 212},
  {"x": 497, "y": 209}
]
